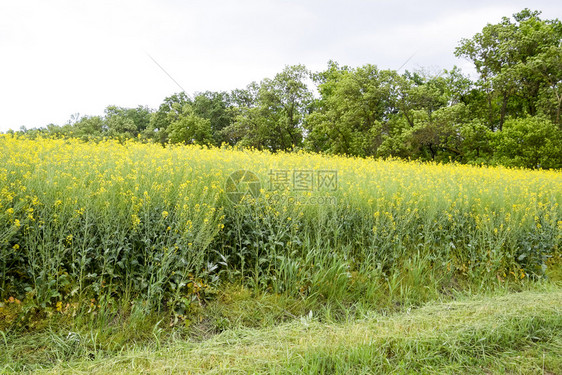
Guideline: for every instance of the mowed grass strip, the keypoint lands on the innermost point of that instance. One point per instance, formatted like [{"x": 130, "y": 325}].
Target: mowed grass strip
[{"x": 512, "y": 333}]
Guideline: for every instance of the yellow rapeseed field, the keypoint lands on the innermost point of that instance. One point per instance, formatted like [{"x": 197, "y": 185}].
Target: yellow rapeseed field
[{"x": 143, "y": 220}]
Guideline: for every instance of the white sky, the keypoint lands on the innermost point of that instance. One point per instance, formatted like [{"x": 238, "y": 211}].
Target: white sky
[{"x": 62, "y": 57}]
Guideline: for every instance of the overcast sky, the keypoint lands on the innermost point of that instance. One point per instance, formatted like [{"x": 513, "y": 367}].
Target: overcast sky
[{"x": 63, "y": 57}]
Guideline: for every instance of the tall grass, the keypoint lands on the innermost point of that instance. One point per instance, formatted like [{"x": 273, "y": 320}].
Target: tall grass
[
  {"x": 152, "y": 227},
  {"x": 517, "y": 333}
]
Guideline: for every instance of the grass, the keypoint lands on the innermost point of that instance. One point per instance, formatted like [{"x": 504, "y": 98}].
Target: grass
[{"x": 518, "y": 333}]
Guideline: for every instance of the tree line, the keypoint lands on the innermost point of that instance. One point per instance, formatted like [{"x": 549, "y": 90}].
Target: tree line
[{"x": 509, "y": 115}]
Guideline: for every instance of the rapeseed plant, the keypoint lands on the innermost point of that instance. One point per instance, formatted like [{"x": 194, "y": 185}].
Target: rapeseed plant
[{"x": 142, "y": 222}]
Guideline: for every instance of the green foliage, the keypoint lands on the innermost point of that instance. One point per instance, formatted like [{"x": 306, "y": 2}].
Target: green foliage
[
  {"x": 475, "y": 146},
  {"x": 371, "y": 112},
  {"x": 270, "y": 115},
  {"x": 88, "y": 128},
  {"x": 531, "y": 142},
  {"x": 349, "y": 116},
  {"x": 160, "y": 120},
  {"x": 126, "y": 122},
  {"x": 519, "y": 66},
  {"x": 188, "y": 128},
  {"x": 216, "y": 107}
]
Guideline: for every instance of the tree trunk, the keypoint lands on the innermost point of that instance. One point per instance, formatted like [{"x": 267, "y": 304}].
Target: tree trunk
[{"x": 503, "y": 110}]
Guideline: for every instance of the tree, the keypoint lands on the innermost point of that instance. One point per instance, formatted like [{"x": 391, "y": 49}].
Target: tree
[
  {"x": 371, "y": 112},
  {"x": 168, "y": 112},
  {"x": 188, "y": 128},
  {"x": 118, "y": 125},
  {"x": 531, "y": 142},
  {"x": 422, "y": 91},
  {"x": 269, "y": 115},
  {"x": 548, "y": 66},
  {"x": 444, "y": 134},
  {"x": 89, "y": 127},
  {"x": 354, "y": 110},
  {"x": 510, "y": 58},
  {"x": 288, "y": 96},
  {"x": 217, "y": 108},
  {"x": 476, "y": 142},
  {"x": 245, "y": 129},
  {"x": 125, "y": 123}
]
